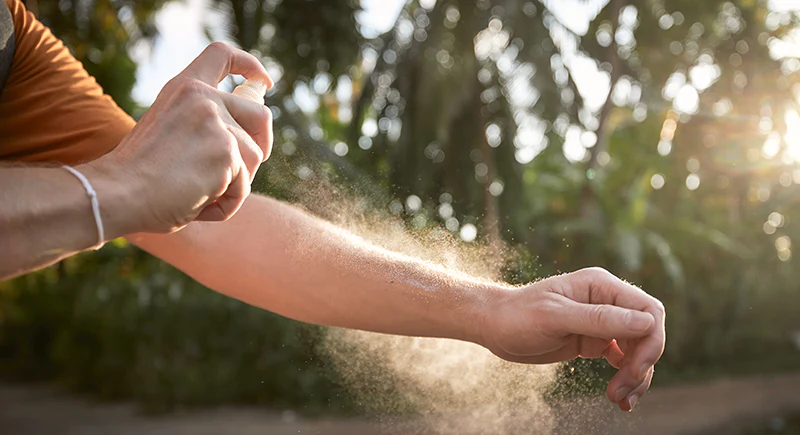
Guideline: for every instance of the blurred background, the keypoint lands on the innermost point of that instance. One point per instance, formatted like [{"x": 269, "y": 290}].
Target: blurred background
[{"x": 659, "y": 139}]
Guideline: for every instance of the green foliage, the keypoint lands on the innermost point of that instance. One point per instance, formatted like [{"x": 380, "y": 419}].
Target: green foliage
[
  {"x": 122, "y": 325},
  {"x": 423, "y": 110}
]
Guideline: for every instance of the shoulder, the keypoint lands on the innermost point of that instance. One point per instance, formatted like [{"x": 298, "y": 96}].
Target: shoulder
[{"x": 51, "y": 109}]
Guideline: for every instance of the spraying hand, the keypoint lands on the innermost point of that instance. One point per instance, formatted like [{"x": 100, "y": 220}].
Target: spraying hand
[
  {"x": 194, "y": 154},
  {"x": 588, "y": 314}
]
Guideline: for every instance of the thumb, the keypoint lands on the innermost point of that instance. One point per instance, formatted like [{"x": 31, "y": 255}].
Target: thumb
[
  {"x": 219, "y": 59},
  {"x": 606, "y": 321}
]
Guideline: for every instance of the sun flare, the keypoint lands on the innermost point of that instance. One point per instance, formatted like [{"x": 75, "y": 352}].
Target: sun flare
[{"x": 792, "y": 136}]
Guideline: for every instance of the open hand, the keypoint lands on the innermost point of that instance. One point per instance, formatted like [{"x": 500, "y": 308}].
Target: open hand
[{"x": 588, "y": 314}]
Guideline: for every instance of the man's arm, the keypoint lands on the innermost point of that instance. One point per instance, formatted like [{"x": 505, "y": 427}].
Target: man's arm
[
  {"x": 46, "y": 215},
  {"x": 276, "y": 257},
  {"x": 204, "y": 144}
]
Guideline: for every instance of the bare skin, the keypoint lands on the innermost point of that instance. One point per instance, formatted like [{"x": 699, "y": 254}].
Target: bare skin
[
  {"x": 59, "y": 223},
  {"x": 279, "y": 258},
  {"x": 191, "y": 160},
  {"x": 191, "y": 157}
]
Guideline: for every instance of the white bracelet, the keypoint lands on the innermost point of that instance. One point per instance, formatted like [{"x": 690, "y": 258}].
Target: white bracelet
[{"x": 101, "y": 237}]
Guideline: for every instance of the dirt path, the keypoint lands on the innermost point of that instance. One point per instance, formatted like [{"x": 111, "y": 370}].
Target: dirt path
[
  {"x": 726, "y": 407},
  {"x": 723, "y": 407}
]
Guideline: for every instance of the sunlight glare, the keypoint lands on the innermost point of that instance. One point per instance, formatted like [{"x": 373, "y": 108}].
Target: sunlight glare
[{"x": 792, "y": 136}]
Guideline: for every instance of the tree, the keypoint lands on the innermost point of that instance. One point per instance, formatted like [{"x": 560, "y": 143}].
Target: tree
[
  {"x": 658, "y": 139},
  {"x": 100, "y": 34},
  {"x": 477, "y": 111}
]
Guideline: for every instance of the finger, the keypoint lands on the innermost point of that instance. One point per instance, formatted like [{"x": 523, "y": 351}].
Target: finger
[
  {"x": 227, "y": 205},
  {"x": 605, "y": 321},
  {"x": 251, "y": 154},
  {"x": 649, "y": 349},
  {"x": 614, "y": 355},
  {"x": 566, "y": 352},
  {"x": 601, "y": 287},
  {"x": 623, "y": 387},
  {"x": 629, "y": 402},
  {"x": 211, "y": 213},
  {"x": 218, "y": 60},
  {"x": 254, "y": 118},
  {"x": 589, "y": 347},
  {"x": 601, "y": 348},
  {"x": 231, "y": 201},
  {"x": 627, "y": 346}
]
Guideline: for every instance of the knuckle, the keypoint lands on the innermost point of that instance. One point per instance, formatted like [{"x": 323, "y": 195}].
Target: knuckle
[
  {"x": 252, "y": 155},
  {"x": 597, "y": 272},
  {"x": 219, "y": 186},
  {"x": 218, "y": 189},
  {"x": 221, "y": 144},
  {"x": 597, "y": 315},
  {"x": 188, "y": 86},
  {"x": 218, "y": 47},
  {"x": 258, "y": 156},
  {"x": 205, "y": 111},
  {"x": 174, "y": 83},
  {"x": 595, "y": 278},
  {"x": 227, "y": 153},
  {"x": 611, "y": 393},
  {"x": 659, "y": 307}
]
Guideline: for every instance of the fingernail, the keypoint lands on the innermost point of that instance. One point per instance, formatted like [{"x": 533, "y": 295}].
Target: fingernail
[
  {"x": 621, "y": 394},
  {"x": 639, "y": 321},
  {"x": 632, "y": 402}
]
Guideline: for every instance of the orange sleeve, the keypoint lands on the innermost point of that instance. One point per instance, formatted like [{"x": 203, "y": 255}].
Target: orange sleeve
[{"x": 50, "y": 108}]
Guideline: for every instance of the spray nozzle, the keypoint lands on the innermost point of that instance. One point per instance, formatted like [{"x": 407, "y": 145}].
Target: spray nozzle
[{"x": 253, "y": 90}]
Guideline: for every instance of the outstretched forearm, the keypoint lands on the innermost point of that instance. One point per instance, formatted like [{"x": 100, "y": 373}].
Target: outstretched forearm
[
  {"x": 46, "y": 215},
  {"x": 277, "y": 257}
]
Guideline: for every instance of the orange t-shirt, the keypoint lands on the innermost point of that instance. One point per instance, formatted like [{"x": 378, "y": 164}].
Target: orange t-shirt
[{"x": 50, "y": 108}]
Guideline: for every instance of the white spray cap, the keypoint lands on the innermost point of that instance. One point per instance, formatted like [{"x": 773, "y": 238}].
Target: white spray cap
[{"x": 253, "y": 90}]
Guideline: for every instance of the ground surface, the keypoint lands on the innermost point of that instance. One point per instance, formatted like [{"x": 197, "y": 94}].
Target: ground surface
[{"x": 722, "y": 407}]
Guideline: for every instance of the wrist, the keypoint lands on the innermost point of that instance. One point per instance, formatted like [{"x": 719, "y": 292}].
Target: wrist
[
  {"x": 115, "y": 195},
  {"x": 480, "y": 311}
]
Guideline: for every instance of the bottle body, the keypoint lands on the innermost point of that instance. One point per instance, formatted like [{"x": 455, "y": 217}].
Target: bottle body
[{"x": 252, "y": 90}]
